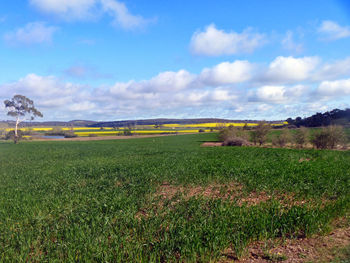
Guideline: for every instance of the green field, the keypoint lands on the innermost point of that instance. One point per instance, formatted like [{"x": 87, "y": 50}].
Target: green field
[{"x": 101, "y": 201}]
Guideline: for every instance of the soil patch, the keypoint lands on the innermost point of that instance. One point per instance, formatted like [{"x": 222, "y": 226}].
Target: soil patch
[
  {"x": 232, "y": 191},
  {"x": 315, "y": 249},
  {"x": 211, "y": 144},
  {"x": 169, "y": 195}
]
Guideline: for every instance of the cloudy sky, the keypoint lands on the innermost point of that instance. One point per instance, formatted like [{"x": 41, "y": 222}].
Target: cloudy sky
[{"x": 134, "y": 59}]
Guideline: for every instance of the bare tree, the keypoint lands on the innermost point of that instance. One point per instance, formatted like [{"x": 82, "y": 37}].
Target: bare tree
[{"x": 21, "y": 107}]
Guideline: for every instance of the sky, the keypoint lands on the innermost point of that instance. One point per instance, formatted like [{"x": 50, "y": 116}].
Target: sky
[{"x": 136, "y": 59}]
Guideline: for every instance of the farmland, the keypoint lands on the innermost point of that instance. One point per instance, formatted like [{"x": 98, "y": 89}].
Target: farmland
[
  {"x": 134, "y": 129},
  {"x": 162, "y": 199}
]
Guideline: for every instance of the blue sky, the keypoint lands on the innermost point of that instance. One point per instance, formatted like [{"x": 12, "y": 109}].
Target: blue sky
[{"x": 114, "y": 59}]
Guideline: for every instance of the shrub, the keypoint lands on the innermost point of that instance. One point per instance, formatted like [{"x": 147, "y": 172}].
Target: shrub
[
  {"x": 11, "y": 136},
  {"x": 232, "y": 132},
  {"x": 282, "y": 138},
  {"x": 328, "y": 137},
  {"x": 259, "y": 135},
  {"x": 236, "y": 141},
  {"x": 300, "y": 137},
  {"x": 233, "y": 136},
  {"x": 92, "y": 135},
  {"x": 70, "y": 134},
  {"x": 127, "y": 132},
  {"x": 201, "y": 130}
]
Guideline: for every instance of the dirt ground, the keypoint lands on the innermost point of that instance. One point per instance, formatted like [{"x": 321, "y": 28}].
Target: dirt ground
[{"x": 315, "y": 249}]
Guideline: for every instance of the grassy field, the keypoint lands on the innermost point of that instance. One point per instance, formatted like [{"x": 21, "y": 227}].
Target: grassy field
[{"x": 162, "y": 199}]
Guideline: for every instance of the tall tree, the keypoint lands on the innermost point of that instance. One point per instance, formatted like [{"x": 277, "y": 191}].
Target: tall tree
[{"x": 21, "y": 107}]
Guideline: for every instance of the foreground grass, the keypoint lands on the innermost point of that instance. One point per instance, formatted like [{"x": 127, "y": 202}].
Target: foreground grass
[{"x": 81, "y": 201}]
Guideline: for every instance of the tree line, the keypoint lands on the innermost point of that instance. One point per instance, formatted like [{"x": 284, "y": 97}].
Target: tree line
[{"x": 334, "y": 117}]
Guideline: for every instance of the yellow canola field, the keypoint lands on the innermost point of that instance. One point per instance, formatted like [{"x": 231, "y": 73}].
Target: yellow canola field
[
  {"x": 214, "y": 125},
  {"x": 109, "y": 133},
  {"x": 86, "y": 130}
]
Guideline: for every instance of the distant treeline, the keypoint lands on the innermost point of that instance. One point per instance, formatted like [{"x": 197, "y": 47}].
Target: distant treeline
[{"x": 336, "y": 116}]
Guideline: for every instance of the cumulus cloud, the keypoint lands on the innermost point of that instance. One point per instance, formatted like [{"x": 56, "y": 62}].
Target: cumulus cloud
[
  {"x": 87, "y": 9},
  {"x": 227, "y": 73},
  {"x": 122, "y": 16},
  {"x": 31, "y": 33},
  {"x": 330, "y": 30},
  {"x": 170, "y": 80},
  {"x": 227, "y": 88},
  {"x": 290, "y": 69},
  {"x": 277, "y": 94},
  {"x": 215, "y": 42},
  {"x": 48, "y": 91},
  {"x": 334, "y": 88},
  {"x": 333, "y": 70},
  {"x": 66, "y": 9},
  {"x": 289, "y": 43}
]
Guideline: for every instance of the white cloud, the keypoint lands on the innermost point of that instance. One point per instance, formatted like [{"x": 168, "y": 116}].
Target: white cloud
[
  {"x": 48, "y": 91},
  {"x": 214, "y": 42},
  {"x": 122, "y": 16},
  {"x": 272, "y": 94},
  {"x": 170, "y": 80},
  {"x": 278, "y": 94},
  {"x": 330, "y": 30},
  {"x": 227, "y": 73},
  {"x": 334, "y": 70},
  {"x": 82, "y": 106},
  {"x": 181, "y": 93},
  {"x": 289, "y": 43},
  {"x": 31, "y": 33},
  {"x": 66, "y": 9},
  {"x": 334, "y": 88},
  {"x": 87, "y": 9},
  {"x": 290, "y": 69}
]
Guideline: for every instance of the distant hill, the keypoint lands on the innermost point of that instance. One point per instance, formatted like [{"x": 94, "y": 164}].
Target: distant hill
[{"x": 336, "y": 116}]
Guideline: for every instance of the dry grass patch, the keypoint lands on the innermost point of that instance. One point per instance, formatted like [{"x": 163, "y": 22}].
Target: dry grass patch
[
  {"x": 315, "y": 249},
  {"x": 211, "y": 144},
  {"x": 232, "y": 191},
  {"x": 169, "y": 195}
]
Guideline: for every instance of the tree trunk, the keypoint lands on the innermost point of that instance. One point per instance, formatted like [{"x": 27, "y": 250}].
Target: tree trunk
[{"x": 16, "y": 132}]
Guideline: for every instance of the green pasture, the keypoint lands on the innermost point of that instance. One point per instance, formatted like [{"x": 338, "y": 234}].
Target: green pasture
[{"x": 97, "y": 201}]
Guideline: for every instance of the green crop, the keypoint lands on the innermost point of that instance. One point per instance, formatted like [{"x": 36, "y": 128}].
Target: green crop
[{"x": 99, "y": 201}]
